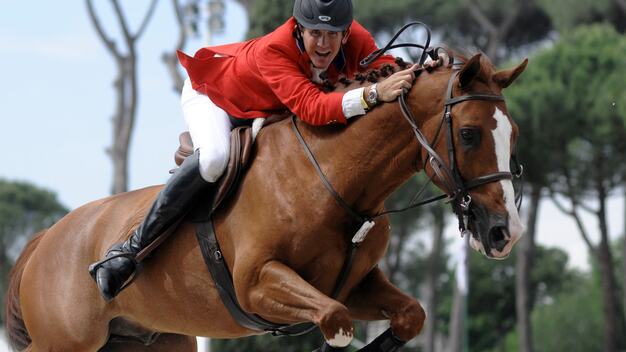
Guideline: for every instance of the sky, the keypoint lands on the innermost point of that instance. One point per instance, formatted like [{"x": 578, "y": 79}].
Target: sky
[{"x": 57, "y": 100}]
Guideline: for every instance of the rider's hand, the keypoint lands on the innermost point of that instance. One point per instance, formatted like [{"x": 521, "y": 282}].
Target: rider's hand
[{"x": 392, "y": 86}]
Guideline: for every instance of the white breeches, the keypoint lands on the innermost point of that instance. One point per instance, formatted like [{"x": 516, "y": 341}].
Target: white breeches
[{"x": 209, "y": 127}]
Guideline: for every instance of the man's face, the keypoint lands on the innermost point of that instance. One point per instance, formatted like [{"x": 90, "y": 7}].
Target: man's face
[{"x": 322, "y": 46}]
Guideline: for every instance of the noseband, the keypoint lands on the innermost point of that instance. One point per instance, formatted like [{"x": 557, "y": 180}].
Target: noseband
[{"x": 453, "y": 183}]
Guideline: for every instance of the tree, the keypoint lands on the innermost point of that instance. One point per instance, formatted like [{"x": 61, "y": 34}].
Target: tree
[
  {"x": 434, "y": 269},
  {"x": 191, "y": 22},
  {"x": 125, "y": 85},
  {"x": 24, "y": 210},
  {"x": 526, "y": 101},
  {"x": 490, "y": 26},
  {"x": 266, "y": 15},
  {"x": 184, "y": 25},
  {"x": 566, "y": 15},
  {"x": 571, "y": 320},
  {"x": 580, "y": 88},
  {"x": 491, "y": 308}
]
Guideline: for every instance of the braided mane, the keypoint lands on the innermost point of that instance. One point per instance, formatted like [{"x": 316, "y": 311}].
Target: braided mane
[{"x": 358, "y": 80}]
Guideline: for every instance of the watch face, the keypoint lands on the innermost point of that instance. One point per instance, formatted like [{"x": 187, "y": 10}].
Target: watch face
[{"x": 372, "y": 96}]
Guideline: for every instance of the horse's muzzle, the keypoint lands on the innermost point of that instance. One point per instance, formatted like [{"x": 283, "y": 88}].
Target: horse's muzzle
[{"x": 490, "y": 231}]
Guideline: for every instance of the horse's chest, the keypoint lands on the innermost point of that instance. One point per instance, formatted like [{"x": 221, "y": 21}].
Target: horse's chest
[{"x": 320, "y": 262}]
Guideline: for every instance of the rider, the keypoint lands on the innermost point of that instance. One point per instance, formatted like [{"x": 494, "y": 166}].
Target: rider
[{"x": 257, "y": 78}]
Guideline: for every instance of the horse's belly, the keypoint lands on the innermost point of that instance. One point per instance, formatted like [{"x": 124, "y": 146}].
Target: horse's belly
[{"x": 175, "y": 292}]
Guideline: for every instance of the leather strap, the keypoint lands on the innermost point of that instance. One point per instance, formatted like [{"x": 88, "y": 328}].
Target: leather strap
[
  {"x": 321, "y": 175},
  {"x": 214, "y": 260}
]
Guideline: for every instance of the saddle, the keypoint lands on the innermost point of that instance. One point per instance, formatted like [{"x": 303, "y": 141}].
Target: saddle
[{"x": 241, "y": 144}]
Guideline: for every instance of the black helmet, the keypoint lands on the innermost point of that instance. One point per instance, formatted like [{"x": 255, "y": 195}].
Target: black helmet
[{"x": 330, "y": 15}]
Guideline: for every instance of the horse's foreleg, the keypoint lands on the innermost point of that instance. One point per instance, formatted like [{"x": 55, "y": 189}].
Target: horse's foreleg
[
  {"x": 280, "y": 295},
  {"x": 375, "y": 298}
]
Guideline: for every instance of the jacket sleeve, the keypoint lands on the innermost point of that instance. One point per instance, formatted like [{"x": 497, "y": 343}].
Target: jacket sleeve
[{"x": 296, "y": 91}]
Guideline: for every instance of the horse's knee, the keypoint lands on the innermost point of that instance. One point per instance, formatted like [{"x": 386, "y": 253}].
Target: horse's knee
[
  {"x": 336, "y": 325},
  {"x": 409, "y": 321}
]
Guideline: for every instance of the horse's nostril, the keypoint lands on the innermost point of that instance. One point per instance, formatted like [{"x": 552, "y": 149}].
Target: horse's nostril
[{"x": 499, "y": 237}]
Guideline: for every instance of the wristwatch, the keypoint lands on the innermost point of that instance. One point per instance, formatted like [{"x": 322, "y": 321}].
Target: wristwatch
[{"x": 372, "y": 96}]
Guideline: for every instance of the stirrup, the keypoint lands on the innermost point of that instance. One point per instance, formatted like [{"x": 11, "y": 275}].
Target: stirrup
[{"x": 93, "y": 268}]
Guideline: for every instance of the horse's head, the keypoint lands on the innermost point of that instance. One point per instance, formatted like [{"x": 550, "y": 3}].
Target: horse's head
[{"x": 472, "y": 145}]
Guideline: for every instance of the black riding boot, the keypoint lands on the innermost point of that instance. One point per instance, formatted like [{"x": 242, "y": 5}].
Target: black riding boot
[
  {"x": 385, "y": 342},
  {"x": 172, "y": 203},
  {"x": 328, "y": 348}
]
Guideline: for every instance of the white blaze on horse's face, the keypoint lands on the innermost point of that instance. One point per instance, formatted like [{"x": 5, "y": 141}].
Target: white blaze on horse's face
[{"x": 502, "y": 138}]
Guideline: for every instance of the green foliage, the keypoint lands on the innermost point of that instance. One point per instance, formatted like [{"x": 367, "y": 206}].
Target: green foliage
[
  {"x": 568, "y": 14},
  {"x": 568, "y": 320},
  {"x": 572, "y": 103},
  {"x": 24, "y": 207},
  {"x": 450, "y": 19},
  {"x": 572, "y": 321},
  {"x": 267, "y": 15},
  {"x": 385, "y": 16},
  {"x": 24, "y": 210},
  {"x": 491, "y": 311}
]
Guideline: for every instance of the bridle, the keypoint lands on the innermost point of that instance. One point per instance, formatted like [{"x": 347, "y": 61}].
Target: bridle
[{"x": 456, "y": 188}]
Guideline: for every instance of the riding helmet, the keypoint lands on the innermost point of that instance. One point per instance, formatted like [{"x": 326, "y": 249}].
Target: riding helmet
[{"x": 330, "y": 15}]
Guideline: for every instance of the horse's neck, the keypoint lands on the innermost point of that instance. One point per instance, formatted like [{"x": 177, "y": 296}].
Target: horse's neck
[{"x": 377, "y": 153}]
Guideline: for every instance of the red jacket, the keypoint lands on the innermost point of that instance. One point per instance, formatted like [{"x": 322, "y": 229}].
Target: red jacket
[{"x": 271, "y": 74}]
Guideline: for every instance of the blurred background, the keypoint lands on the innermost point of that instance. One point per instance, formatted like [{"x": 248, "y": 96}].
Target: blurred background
[{"x": 89, "y": 107}]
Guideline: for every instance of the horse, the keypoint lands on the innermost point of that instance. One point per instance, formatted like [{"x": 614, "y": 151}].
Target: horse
[{"x": 282, "y": 235}]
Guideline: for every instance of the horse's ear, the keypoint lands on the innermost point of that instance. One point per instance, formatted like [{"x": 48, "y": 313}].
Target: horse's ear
[
  {"x": 506, "y": 77},
  {"x": 469, "y": 71}
]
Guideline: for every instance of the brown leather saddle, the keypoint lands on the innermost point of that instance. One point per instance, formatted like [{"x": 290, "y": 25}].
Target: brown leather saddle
[{"x": 241, "y": 144}]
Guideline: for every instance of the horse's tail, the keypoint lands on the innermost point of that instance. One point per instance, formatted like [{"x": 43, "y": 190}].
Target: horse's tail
[{"x": 15, "y": 328}]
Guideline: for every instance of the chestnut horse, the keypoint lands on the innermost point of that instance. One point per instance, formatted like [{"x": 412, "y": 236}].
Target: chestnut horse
[{"x": 283, "y": 236}]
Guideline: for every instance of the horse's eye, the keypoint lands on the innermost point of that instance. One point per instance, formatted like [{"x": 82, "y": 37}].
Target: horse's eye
[{"x": 470, "y": 137}]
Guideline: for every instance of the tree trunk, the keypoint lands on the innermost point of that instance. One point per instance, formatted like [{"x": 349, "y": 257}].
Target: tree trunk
[
  {"x": 525, "y": 253},
  {"x": 624, "y": 256},
  {"x": 495, "y": 31},
  {"x": 607, "y": 275},
  {"x": 393, "y": 258},
  {"x": 169, "y": 58},
  {"x": 431, "y": 278},
  {"x": 622, "y": 5},
  {"x": 457, "y": 338},
  {"x": 125, "y": 86}
]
